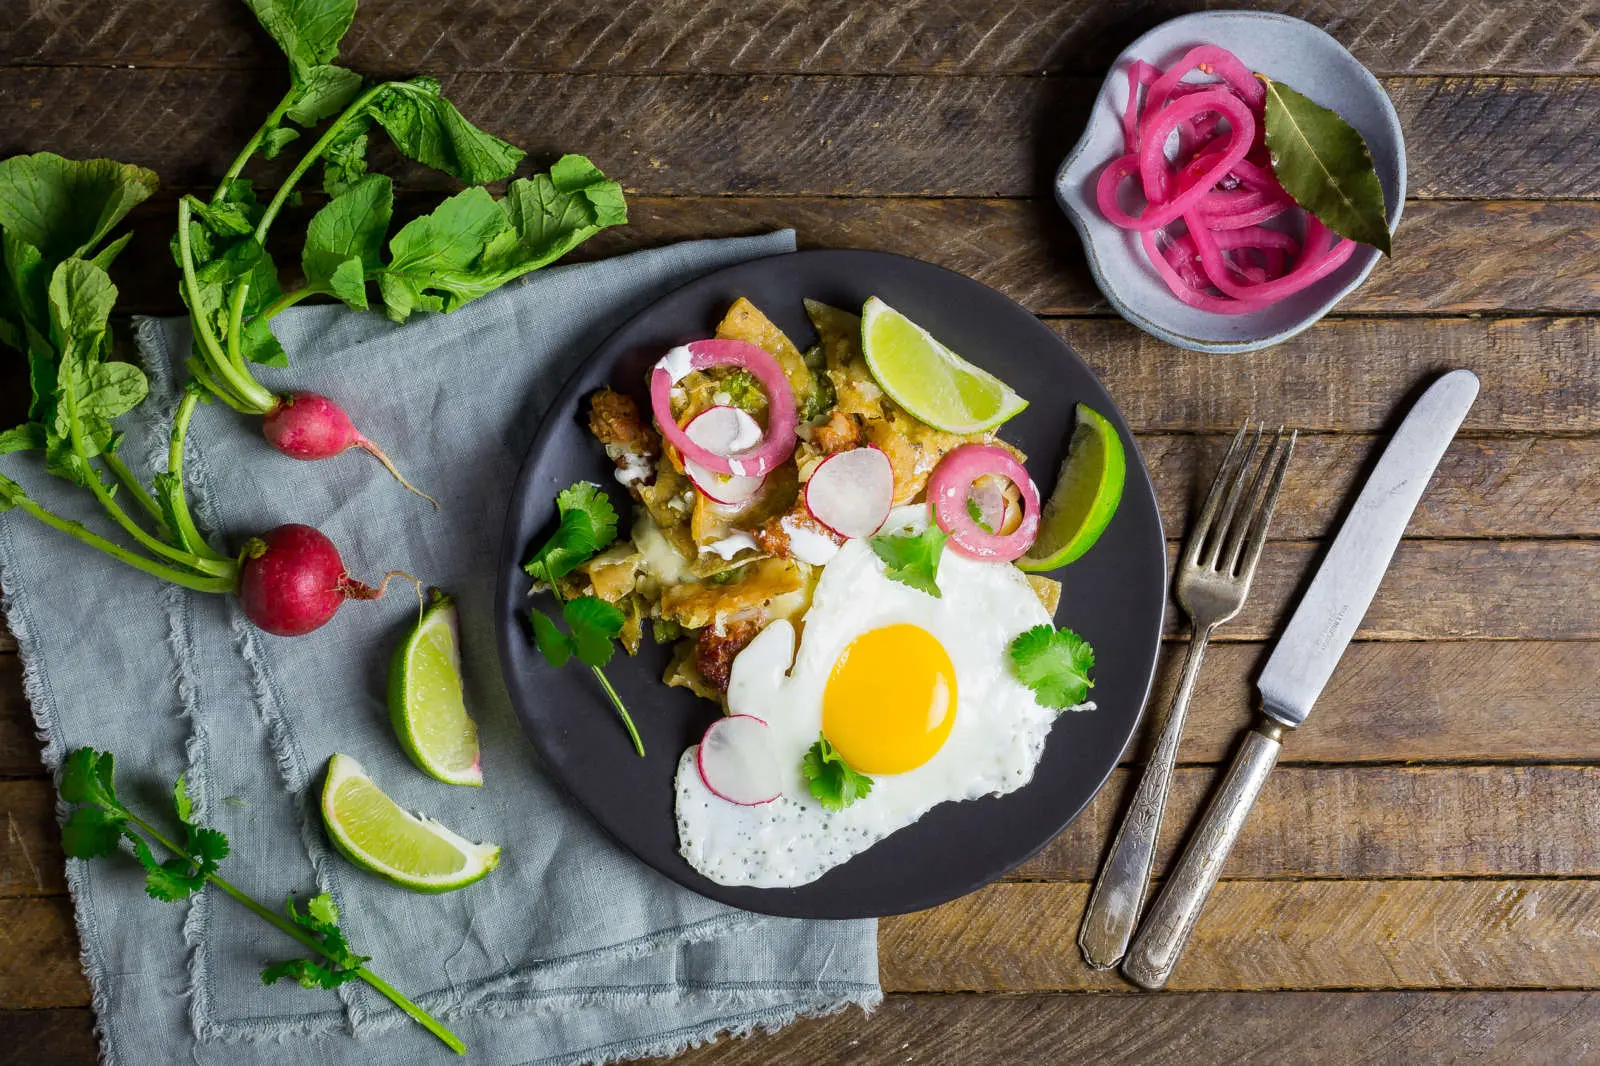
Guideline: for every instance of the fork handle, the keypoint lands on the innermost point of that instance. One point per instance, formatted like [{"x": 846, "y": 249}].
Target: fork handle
[
  {"x": 1166, "y": 929},
  {"x": 1119, "y": 891}
]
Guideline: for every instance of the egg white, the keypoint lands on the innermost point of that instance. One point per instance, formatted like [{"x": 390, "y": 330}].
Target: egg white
[{"x": 994, "y": 744}]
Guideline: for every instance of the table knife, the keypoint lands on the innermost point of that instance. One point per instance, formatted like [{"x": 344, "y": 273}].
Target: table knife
[{"x": 1303, "y": 660}]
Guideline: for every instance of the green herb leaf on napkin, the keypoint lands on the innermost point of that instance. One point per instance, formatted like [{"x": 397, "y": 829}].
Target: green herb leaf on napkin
[{"x": 1323, "y": 162}]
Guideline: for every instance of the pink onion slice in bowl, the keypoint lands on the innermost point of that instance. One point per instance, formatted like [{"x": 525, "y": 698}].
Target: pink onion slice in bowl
[
  {"x": 950, "y": 485},
  {"x": 851, "y": 492},
  {"x": 778, "y": 443},
  {"x": 725, "y": 430},
  {"x": 737, "y": 762}
]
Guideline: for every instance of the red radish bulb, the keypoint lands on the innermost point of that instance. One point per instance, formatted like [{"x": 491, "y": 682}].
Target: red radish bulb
[
  {"x": 851, "y": 492},
  {"x": 307, "y": 426},
  {"x": 737, "y": 763},
  {"x": 292, "y": 580}
]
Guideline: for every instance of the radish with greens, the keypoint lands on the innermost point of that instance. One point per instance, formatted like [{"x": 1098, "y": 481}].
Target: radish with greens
[
  {"x": 470, "y": 245},
  {"x": 55, "y": 306}
]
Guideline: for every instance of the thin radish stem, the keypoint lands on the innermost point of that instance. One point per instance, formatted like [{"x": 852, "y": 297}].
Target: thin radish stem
[
  {"x": 305, "y": 939},
  {"x": 188, "y": 559},
  {"x": 136, "y": 489},
  {"x": 287, "y": 300},
  {"x": 79, "y": 532},
  {"x": 248, "y": 394},
  {"x": 198, "y": 369},
  {"x": 377, "y": 453},
  {"x": 282, "y": 195},
  {"x": 252, "y": 144},
  {"x": 241, "y": 292},
  {"x": 180, "y": 500}
]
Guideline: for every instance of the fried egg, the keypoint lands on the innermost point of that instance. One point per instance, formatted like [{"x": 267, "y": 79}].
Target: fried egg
[{"x": 912, "y": 690}]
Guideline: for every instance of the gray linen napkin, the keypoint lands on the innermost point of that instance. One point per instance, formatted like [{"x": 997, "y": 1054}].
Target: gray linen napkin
[{"x": 572, "y": 951}]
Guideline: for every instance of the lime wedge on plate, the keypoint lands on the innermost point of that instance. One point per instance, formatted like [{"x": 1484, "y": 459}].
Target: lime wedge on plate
[
  {"x": 372, "y": 831},
  {"x": 425, "y": 699},
  {"x": 929, "y": 380},
  {"x": 1086, "y": 495}
]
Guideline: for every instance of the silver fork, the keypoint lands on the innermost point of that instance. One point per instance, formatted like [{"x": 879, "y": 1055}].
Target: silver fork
[{"x": 1214, "y": 574}]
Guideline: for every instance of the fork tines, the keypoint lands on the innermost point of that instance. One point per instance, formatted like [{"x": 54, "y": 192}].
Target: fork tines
[{"x": 1227, "y": 537}]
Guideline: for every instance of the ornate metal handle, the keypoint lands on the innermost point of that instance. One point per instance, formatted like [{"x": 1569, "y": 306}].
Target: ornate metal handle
[
  {"x": 1119, "y": 891},
  {"x": 1166, "y": 929}
]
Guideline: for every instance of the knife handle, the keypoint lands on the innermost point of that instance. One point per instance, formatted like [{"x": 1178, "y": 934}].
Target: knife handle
[{"x": 1166, "y": 928}]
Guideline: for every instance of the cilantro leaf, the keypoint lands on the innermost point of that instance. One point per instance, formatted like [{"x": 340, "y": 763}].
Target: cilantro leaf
[
  {"x": 321, "y": 910},
  {"x": 168, "y": 881},
  {"x": 87, "y": 776},
  {"x": 1054, "y": 663},
  {"x": 552, "y": 643},
  {"x": 912, "y": 558},
  {"x": 832, "y": 781},
  {"x": 309, "y": 974},
  {"x": 594, "y": 624},
  {"x": 588, "y": 524},
  {"x": 975, "y": 513},
  {"x": 91, "y": 832},
  {"x": 207, "y": 847},
  {"x": 181, "y": 800}
]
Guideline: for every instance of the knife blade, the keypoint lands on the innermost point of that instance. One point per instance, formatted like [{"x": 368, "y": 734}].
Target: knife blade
[{"x": 1339, "y": 594}]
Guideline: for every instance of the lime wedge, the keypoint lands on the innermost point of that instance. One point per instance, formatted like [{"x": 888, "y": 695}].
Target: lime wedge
[
  {"x": 372, "y": 831},
  {"x": 1086, "y": 495},
  {"x": 425, "y": 699},
  {"x": 929, "y": 380}
]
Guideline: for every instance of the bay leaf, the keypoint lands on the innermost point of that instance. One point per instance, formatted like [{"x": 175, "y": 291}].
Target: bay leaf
[{"x": 1323, "y": 162}]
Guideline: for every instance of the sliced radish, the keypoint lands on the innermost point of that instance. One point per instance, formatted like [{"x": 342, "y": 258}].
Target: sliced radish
[
  {"x": 851, "y": 492},
  {"x": 737, "y": 762},
  {"x": 727, "y": 431},
  {"x": 950, "y": 488},
  {"x": 769, "y": 451}
]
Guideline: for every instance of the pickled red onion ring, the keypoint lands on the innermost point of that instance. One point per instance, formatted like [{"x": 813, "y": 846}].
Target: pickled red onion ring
[
  {"x": 1203, "y": 223},
  {"x": 951, "y": 483},
  {"x": 776, "y": 445}
]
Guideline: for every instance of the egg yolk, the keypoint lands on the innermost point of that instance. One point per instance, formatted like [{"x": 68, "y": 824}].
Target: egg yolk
[{"x": 890, "y": 700}]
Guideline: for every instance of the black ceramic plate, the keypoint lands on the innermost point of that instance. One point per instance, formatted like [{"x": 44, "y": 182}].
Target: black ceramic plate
[{"x": 1113, "y": 595}]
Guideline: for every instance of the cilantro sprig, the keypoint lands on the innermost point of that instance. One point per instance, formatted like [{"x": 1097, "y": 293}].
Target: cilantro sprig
[
  {"x": 832, "y": 781},
  {"x": 1055, "y": 663},
  {"x": 912, "y": 558},
  {"x": 99, "y": 824},
  {"x": 586, "y": 525}
]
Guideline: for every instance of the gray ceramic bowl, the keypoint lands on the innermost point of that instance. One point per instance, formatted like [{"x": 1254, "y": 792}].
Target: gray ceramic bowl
[{"x": 1304, "y": 58}]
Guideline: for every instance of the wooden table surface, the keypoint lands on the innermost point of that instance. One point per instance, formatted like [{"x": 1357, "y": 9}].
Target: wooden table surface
[{"x": 1420, "y": 882}]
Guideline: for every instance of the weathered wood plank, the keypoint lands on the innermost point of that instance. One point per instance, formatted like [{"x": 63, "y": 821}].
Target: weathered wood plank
[
  {"x": 696, "y": 134},
  {"x": 1466, "y": 701},
  {"x": 769, "y": 36},
  {"x": 1199, "y": 1029},
  {"x": 48, "y": 1038},
  {"x": 1438, "y": 590},
  {"x": 1018, "y": 937},
  {"x": 1367, "y": 822},
  {"x": 1310, "y": 822},
  {"x": 1458, "y": 258},
  {"x": 1196, "y": 1029},
  {"x": 39, "y": 963},
  {"x": 1498, "y": 487},
  {"x": 1469, "y": 701},
  {"x": 31, "y": 863},
  {"x": 1269, "y": 934}
]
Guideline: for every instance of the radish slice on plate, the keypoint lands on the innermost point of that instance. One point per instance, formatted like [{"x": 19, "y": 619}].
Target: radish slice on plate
[
  {"x": 950, "y": 487},
  {"x": 768, "y": 452},
  {"x": 724, "y": 430},
  {"x": 851, "y": 492},
  {"x": 737, "y": 762}
]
